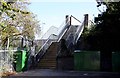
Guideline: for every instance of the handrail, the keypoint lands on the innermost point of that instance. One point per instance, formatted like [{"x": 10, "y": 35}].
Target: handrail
[
  {"x": 67, "y": 37},
  {"x": 76, "y": 19},
  {"x": 56, "y": 38},
  {"x": 61, "y": 27},
  {"x": 79, "y": 32},
  {"x": 47, "y": 41},
  {"x": 72, "y": 37},
  {"x": 62, "y": 35},
  {"x": 48, "y": 33},
  {"x": 65, "y": 32},
  {"x": 46, "y": 45},
  {"x": 68, "y": 31},
  {"x": 43, "y": 49}
]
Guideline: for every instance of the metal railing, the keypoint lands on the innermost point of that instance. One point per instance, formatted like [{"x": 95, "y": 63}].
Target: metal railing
[
  {"x": 45, "y": 46},
  {"x": 72, "y": 35},
  {"x": 65, "y": 32},
  {"x": 51, "y": 30},
  {"x": 64, "y": 27},
  {"x": 79, "y": 32}
]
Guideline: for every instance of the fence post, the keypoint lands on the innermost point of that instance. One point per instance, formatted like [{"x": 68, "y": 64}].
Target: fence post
[{"x": 8, "y": 43}]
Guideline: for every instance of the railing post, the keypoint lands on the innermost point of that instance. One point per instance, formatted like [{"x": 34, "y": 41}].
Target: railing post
[
  {"x": 86, "y": 20},
  {"x": 70, "y": 20},
  {"x": 66, "y": 19}
]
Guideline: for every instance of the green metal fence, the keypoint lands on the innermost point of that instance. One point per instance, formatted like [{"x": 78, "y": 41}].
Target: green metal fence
[
  {"x": 116, "y": 61},
  {"x": 90, "y": 61},
  {"x": 87, "y": 60}
]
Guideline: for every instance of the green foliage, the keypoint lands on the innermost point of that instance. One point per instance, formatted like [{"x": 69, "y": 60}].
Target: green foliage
[
  {"x": 16, "y": 20},
  {"x": 107, "y": 28},
  {"x": 88, "y": 31}
]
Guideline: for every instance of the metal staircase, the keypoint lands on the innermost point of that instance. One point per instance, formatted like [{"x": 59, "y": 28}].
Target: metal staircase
[
  {"x": 46, "y": 57},
  {"x": 49, "y": 59}
]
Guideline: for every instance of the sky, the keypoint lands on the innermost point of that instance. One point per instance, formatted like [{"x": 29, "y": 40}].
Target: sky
[{"x": 53, "y": 12}]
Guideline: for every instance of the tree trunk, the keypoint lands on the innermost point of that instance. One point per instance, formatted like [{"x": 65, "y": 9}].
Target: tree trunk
[{"x": 106, "y": 60}]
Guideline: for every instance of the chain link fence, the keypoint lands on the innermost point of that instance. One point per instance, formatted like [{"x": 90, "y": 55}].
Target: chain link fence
[
  {"x": 7, "y": 59},
  {"x": 6, "y": 62}
]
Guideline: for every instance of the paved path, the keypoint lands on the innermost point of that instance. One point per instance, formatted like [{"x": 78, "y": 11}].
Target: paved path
[{"x": 47, "y": 73}]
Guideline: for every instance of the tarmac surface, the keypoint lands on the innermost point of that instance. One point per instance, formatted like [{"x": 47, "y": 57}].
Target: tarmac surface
[{"x": 48, "y": 73}]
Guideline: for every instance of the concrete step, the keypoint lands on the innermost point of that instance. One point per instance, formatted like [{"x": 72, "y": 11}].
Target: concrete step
[
  {"x": 49, "y": 56},
  {"x": 49, "y": 53},
  {"x": 52, "y": 50},
  {"x": 49, "y": 59},
  {"x": 48, "y": 67},
  {"x": 47, "y": 64}
]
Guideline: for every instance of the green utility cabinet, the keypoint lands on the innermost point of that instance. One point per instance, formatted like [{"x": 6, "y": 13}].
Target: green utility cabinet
[
  {"x": 20, "y": 58},
  {"x": 86, "y": 60},
  {"x": 116, "y": 61}
]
